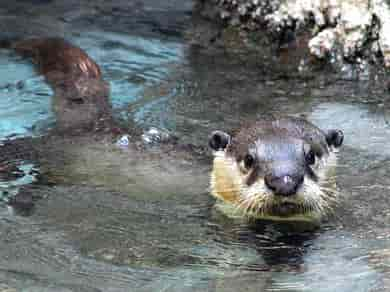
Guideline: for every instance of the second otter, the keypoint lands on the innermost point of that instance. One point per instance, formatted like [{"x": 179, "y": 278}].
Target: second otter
[{"x": 276, "y": 168}]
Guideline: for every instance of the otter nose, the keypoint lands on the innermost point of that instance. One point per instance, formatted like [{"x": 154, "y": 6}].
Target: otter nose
[{"x": 284, "y": 185}]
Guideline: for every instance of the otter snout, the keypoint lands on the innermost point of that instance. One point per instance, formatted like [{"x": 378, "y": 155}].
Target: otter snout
[{"x": 283, "y": 185}]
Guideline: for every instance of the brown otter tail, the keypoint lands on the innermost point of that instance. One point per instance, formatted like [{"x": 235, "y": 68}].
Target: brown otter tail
[
  {"x": 56, "y": 56},
  {"x": 81, "y": 96}
]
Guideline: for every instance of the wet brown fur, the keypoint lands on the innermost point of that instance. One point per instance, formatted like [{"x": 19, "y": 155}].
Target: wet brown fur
[
  {"x": 276, "y": 126},
  {"x": 55, "y": 56},
  {"x": 81, "y": 95}
]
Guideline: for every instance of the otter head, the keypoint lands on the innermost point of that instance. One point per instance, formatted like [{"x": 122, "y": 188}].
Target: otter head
[{"x": 272, "y": 174}]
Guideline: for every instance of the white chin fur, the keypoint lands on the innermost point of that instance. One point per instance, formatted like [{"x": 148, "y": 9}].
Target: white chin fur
[{"x": 233, "y": 212}]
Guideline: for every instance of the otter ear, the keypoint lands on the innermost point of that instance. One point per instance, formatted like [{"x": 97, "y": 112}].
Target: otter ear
[
  {"x": 335, "y": 138},
  {"x": 219, "y": 140}
]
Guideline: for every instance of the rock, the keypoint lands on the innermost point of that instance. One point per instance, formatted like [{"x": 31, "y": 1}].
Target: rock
[{"x": 350, "y": 28}]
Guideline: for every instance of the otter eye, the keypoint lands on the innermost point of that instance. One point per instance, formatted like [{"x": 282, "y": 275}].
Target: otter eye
[
  {"x": 310, "y": 157},
  {"x": 335, "y": 138},
  {"x": 219, "y": 140},
  {"x": 249, "y": 161}
]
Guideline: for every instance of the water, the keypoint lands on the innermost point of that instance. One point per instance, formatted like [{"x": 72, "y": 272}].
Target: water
[
  {"x": 108, "y": 218},
  {"x": 25, "y": 98}
]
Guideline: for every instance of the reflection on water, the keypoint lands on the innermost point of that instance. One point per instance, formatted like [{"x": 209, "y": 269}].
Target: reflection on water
[{"x": 129, "y": 219}]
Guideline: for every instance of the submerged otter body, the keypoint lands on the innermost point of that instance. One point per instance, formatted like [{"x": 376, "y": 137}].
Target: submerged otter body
[{"x": 276, "y": 168}]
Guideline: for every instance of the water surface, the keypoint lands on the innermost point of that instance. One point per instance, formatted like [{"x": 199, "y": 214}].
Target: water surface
[{"x": 107, "y": 218}]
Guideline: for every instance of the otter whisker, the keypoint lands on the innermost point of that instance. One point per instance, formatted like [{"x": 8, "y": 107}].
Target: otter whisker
[{"x": 244, "y": 204}]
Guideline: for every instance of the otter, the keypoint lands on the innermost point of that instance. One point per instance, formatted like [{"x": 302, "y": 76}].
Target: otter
[{"x": 275, "y": 168}]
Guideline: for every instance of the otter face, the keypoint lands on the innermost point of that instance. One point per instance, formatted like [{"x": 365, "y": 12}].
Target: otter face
[{"x": 274, "y": 175}]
